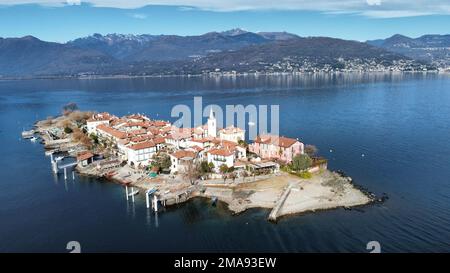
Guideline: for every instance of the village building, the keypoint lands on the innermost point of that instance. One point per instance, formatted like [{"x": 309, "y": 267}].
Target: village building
[
  {"x": 106, "y": 132},
  {"x": 160, "y": 143},
  {"x": 221, "y": 157},
  {"x": 137, "y": 139},
  {"x": 212, "y": 124},
  {"x": 181, "y": 160},
  {"x": 122, "y": 149},
  {"x": 201, "y": 142},
  {"x": 200, "y": 132},
  {"x": 232, "y": 133},
  {"x": 179, "y": 138},
  {"x": 141, "y": 154},
  {"x": 85, "y": 158},
  {"x": 97, "y": 119},
  {"x": 276, "y": 147}
]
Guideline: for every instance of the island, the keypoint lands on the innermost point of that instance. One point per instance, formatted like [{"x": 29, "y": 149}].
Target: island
[{"x": 169, "y": 165}]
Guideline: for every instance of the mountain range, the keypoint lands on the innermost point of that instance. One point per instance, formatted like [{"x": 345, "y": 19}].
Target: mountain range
[
  {"x": 235, "y": 50},
  {"x": 434, "y": 49}
]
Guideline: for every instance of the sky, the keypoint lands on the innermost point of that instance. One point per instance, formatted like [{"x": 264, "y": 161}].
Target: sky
[{"x": 61, "y": 21}]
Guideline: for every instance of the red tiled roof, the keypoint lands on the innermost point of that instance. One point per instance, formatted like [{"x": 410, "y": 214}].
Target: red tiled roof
[
  {"x": 142, "y": 145},
  {"x": 159, "y": 140},
  {"x": 231, "y": 130},
  {"x": 281, "y": 141},
  {"x": 84, "y": 155},
  {"x": 101, "y": 117},
  {"x": 200, "y": 140},
  {"x": 183, "y": 153},
  {"x": 111, "y": 131},
  {"x": 197, "y": 148},
  {"x": 160, "y": 123},
  {"x": 221, "y": 152}
]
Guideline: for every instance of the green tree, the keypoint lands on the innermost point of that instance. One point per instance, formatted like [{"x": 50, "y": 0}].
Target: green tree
[
  {"x": 223, "y": 168},
  {"x": 243, "y": 143},
  {"x": 161, "y": 161},
  {"x": 94, "y": 137},
  {"x": 301, "y": 162},
  {"x": 205, "y": 167},
  {"x": 68, "y": 130}
]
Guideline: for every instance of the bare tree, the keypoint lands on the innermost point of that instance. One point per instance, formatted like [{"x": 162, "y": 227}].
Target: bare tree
[
  {"x": 311, "y": 150},
  {"x": 232, "y": 176},
  {"x": 69, "y": 108},
  {"x": 191, "y": 172},
  {"x": 244, "y": 175}
]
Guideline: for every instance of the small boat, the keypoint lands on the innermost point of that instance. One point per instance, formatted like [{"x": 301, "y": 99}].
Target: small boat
[
  {"x": 214, "y": 201},
  {"x": 59, "y": 158},
  {"x": 34, "y": 139},
  {"x": 28, "y": 134}
]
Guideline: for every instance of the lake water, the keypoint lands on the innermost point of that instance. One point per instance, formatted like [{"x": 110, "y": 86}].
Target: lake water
[{"x": 400, "y": 122}]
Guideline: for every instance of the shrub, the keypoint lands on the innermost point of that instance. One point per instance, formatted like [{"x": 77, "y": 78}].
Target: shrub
[
  {"x": 162, "y": 161},
  {"x": 223, "y": 168},
  {"x": 94, "y": 137},
  {"x": 68, "y": 130},
  {"x": 301, "y": 162},
  {"x": 205, "y": 167},
  {"x": 305, "y": 175}
]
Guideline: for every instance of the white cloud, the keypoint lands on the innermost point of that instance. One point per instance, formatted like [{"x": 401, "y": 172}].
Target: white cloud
[
  {"x": 138, "y": 15},
  {"x": 370, "y": 8},
  {"x": 373, "y": 2}
]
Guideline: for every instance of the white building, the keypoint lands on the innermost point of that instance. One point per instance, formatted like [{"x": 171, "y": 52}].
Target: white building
[
  {"x": 106, "y": 132},
  {"x": 141, "y": 154},
  {"x": 232, "y": 133},
  {"x": 201, "y": 142},
  {"x": 212, "y": 124},
  {"x": 220, "y": 157},
  {"x": 97, "y": 119},
  {"x": 180, "y": 160},
  {"x": 179, "y": 137}
]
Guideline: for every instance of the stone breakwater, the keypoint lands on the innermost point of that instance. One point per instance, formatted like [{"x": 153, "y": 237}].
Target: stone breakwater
[{"x": 287, "y": 194}]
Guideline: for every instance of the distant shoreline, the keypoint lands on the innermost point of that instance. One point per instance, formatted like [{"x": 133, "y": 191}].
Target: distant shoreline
[{"x": 214, "y": 75}]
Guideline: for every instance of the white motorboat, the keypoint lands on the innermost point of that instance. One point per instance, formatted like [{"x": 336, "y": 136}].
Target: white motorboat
[
  {"x": 34, "y": 139},
  {"x": 28, "y": 134},
  {"x": 59, "y": 158}
]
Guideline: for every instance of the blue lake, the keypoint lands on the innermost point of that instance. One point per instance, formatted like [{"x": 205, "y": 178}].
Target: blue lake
[{"x": 400, "y": 122}]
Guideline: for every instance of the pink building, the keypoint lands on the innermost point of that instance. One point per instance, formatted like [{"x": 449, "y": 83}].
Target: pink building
[{"x": 276, "y": 147}]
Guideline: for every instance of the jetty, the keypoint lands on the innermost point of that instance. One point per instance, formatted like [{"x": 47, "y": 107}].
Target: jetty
[{"x": 275, "y": 211}]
